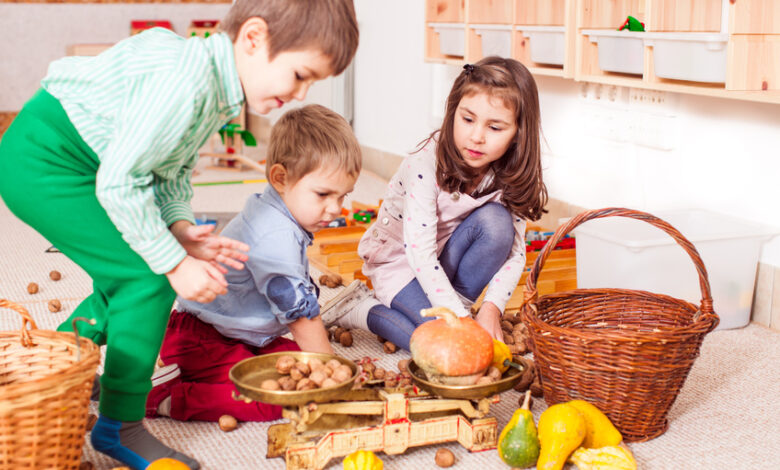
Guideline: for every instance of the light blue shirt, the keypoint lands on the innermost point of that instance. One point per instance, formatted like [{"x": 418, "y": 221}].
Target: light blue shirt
[{"x": 274, "y": 288}]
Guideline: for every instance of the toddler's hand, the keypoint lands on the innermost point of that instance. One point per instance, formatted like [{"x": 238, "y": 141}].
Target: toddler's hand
[
  {"x": 489, "y": 318},
  {"x": 197, "y": 280},
  {"x": 200, "y": 243}
]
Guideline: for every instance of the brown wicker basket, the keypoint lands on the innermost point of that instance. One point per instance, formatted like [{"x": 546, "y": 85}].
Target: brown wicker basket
[
  {"x": 628, "y": 352},
  {"x": 45, "y": 383}
]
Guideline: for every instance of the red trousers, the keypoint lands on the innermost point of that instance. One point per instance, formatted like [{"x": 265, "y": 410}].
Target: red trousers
[{"x": 205, "y": 358}]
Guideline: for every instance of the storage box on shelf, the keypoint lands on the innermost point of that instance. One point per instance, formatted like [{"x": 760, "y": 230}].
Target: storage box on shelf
[
  {"x": 445, "y": 31},
  {"x": 643, "y": 257},
  {"x": 719, "y": 48}
]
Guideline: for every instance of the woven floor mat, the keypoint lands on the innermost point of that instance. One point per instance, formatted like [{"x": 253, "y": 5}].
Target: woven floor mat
[{"x": 726, "y": 416}]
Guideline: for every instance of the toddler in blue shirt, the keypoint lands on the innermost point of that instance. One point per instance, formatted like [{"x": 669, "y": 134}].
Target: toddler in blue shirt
[{"x": 313, "y": 162}]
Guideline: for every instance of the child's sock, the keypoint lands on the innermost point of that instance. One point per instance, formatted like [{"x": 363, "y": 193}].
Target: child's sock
[{"x": 130, "y": 443}]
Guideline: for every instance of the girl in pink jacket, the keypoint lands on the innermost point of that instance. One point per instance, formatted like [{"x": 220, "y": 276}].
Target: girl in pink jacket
[{"x": 453, "y": 219}]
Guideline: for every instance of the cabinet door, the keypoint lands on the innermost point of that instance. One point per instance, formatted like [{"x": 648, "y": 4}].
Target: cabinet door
[
  {"x": 754, "y": 17},
  {"x": 752, "y": 62}
]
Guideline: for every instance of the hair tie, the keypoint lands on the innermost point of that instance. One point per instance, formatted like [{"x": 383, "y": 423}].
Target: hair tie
[{"x": 468, "y": 68}]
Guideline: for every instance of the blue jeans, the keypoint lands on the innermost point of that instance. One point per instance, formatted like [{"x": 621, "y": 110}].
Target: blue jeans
[{"x": 474, "y": 253}]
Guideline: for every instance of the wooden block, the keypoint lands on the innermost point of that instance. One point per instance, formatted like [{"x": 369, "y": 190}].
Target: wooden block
[
  {"x": 331, "y": 232},
  {"x": 326, "y": 248},
  {"x": 349, "y": 266},
  {"x": 336, "y": 259},
  {"x": 754, "y": 17}
]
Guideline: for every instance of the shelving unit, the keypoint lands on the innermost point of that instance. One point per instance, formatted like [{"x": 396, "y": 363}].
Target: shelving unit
[{"x": 719, "y": 48}]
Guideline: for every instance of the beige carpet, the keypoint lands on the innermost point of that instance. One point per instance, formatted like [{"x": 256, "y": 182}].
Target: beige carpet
[{"x": 726, "y": 417}]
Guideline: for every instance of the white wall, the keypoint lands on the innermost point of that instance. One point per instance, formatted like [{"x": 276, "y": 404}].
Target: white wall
[
  {"x": 723, "y": 155},
  {"x": 37, "y": 33}
]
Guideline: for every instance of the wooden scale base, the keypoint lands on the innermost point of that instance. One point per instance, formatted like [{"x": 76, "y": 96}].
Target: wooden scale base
[{"x": 378, "y": 420}]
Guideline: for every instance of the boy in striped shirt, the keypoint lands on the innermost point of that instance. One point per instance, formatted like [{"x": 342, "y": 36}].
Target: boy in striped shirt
[{"x": 99, "y": 162}]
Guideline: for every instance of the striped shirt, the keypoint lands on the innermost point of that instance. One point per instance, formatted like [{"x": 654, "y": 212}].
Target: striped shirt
[{"x": 145, "y": 107}]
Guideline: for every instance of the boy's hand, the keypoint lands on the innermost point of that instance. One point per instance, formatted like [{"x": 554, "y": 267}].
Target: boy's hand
[
  {"x": 197, "y": 280},
  {"x": 489, "y": 318},
  {"x": 200, "y": 243}
]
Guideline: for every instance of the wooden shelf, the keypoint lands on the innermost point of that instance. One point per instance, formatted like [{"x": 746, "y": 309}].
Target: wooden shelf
[{"x": 752, "y": 68}]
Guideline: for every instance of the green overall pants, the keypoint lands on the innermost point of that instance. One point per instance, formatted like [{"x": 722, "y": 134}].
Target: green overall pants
[{"x": 47, "y": 179}]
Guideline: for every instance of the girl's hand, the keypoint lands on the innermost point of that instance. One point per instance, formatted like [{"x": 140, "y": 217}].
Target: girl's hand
[
  {"x": 489, "y": 318},
  {"x": 197, "y": 280},
  {"x": 200, "y": 243}
]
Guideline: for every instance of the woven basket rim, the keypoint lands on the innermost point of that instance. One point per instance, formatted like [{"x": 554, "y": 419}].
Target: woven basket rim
[
  {"x": 699, "y": 324},
  {"x": 90, "y": 353}
]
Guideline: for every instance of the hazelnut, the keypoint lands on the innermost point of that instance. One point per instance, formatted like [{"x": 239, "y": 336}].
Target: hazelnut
[
  {"x": 54, "y": 306},
  {"x": 55, "y": 275},
  {"x": 444, "y": 458},
  {"x": 389, "y": 347},
  {"x": 337, "y": 333},
  {"x": 227, "y": 423},
  {"x": 346, "y": 339},
  {"x": 32, "y": 288}
]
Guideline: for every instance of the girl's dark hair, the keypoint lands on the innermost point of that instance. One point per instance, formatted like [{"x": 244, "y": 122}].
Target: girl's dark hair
[{"x": 518, "y": 173}]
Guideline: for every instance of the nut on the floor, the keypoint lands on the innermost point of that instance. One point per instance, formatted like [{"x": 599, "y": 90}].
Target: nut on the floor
[
  {"x": 445, "y": 458},
  {"x": 54, "y": 306},
  {"x": 345, "y": 339},
  {"x": 32, "y": 288},
  {"x": 55, "y": 275},
  {"x": 227, "y": 423},
  {"x": 330, "y": 280}
]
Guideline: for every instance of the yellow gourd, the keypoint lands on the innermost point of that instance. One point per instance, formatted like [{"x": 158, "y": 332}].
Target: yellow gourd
[
  {"x": 561, "y": 430},
  {"x": 362, "y": 460},
  {"x": 600, "y": 430},
  {"x": 604, "y": 458},
  {"x": 501, "y": 353},
  {"x": 167, "y": 464}
]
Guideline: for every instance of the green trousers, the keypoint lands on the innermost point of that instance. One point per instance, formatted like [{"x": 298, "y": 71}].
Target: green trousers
[{"x": 47, "y": 179}]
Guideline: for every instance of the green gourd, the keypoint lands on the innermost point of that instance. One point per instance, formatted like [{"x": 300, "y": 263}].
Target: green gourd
[{"x": 518, "y": 443}]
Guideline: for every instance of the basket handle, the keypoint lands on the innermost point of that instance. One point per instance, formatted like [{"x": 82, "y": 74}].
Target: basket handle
[
  {"x": 27, "y": 319},
  {"x": 530, "y": 285},
  {"x": 91, "y": 321}
]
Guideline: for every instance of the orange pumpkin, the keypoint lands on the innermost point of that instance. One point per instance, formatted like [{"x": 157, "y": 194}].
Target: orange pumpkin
[{"x": 451, "y": 350}]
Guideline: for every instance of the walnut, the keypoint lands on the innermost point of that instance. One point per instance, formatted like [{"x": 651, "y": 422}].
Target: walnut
[
  {"x": 270, "y": 384},
  {"x": 305, "y": 384},
  {"x": 389, "y": 347},
  {"x": 32, "y": 288},
  {"x": 55, "y": 275},
  {"x": 54, "y": 306},
  {"x": 284, "y": 364}
]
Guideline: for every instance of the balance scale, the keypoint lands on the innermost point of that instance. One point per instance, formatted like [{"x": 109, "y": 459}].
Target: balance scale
[
  {"x": 319, "y": 432},
  {"x": 319, "y": 428}
]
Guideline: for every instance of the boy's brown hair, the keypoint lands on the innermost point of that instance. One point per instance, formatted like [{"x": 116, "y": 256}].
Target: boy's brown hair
[
  {"x": 326, "y": 25},
  {"x": 306, "y": 138}
]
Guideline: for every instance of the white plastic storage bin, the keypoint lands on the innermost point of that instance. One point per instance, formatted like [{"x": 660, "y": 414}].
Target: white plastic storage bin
[
  {"x": 452, "y": 38},
  {"x": 546, "y": 42},
  {"x": 624, "y": 253},
  {"x": 619, "y": 51},
  {"x": 698, "y": 57},
  {"x": 496, "y": 39}
]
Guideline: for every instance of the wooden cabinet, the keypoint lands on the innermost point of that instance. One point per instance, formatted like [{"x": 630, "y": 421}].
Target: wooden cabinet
[{"x": 722, "y": 48}]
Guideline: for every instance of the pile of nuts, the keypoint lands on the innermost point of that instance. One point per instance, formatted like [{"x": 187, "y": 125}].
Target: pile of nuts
[
  {"x": 515, "y": 334},
  {"x": 340, "y": 335},
  {"x": 371, "y": 374},
  {"x": 300, "y": 375}
]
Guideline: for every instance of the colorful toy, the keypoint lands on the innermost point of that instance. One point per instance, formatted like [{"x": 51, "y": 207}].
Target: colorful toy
[
  {"x": 202, "y": 28},
  {"x": 632, "y": 24},
  {"x": 136, "y": 26}
]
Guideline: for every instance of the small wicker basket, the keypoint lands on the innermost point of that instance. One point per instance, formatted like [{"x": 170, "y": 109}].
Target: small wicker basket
[
  {"x": 628, "y": 352},
  {"x": 45, "y": 384}
]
